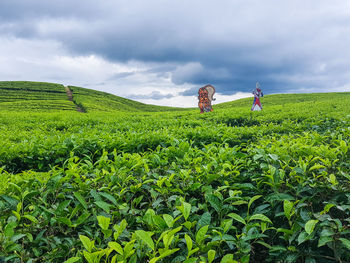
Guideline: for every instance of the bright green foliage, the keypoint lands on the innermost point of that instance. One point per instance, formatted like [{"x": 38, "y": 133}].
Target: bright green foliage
[{"x": 227, "y": 186}]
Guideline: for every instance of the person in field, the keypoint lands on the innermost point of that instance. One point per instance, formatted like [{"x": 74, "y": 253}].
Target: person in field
[
  {"x": 257, "y": 95},
  {"x": 205, "y": 97}
]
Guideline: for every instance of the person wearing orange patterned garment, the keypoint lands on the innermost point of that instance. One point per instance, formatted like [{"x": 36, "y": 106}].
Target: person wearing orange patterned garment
[
  {"x": 202, "y": 97},
  {"x": 205, "y": 96}
]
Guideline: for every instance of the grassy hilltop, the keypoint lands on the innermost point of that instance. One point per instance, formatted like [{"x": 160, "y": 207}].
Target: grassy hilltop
[{"x": 158, "y": 184}]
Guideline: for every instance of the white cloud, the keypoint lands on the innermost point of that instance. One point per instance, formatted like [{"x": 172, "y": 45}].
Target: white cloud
[
  {"x": 185, "y": 72},
  {"x": 45, "y": 60},
  {"x": 164, "y": 47}
]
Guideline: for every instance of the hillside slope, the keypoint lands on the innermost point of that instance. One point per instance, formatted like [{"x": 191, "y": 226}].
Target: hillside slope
[
  {"x": 37, "y": 96},
  {"x": 93, "y": 100},
  {"x": 287, "y": 99},
  {"x": 41, "y": 96}
]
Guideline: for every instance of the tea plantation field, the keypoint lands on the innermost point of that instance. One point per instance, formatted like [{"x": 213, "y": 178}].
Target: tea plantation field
[
  {"x": 157, "y": 184},
  {"x": 41, "y": 96}
]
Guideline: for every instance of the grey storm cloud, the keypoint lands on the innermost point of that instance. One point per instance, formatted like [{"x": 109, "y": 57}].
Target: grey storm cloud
[{"x": 286, "y": 46}]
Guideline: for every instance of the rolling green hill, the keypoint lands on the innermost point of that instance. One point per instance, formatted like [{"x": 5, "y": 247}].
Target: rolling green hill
[
  {"x": 33, "y": 96},
  {"x": 93, "y": 101},
  {"x": 41, "y": 96},
  {"x": 288, "y": 99}
]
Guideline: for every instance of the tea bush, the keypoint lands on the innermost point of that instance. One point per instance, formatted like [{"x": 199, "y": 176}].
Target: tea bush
[{"x": 227, "y": 186}]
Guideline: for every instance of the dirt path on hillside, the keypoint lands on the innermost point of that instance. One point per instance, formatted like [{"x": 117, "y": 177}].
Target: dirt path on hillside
[
  {"x": 69, "y": 93},
  {"x": 70, "y": 98}
]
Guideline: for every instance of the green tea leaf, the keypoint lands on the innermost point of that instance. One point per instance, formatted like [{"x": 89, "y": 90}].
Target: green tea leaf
[
  {"x": 119, "y": 228},
  {"x": 260, "y": 217},
  {"x": 332, "y": 179},
  {"x": 103, "y": 222},
  {"x": 80, "y": 199},
  {"x": 211, "y": 256},
  {"x": 87, "y": 243},
  {"x": 128, "y": 249},
  {"x": 239, "y": 202},
  {"x": 310, "y": 226},
  {"x": 93, "y": 257},
  {"x": 287, "y": 207},
  {"x": 302, "y": 237},
  {"x": 116, "y": 246},
  {"x": 237, "y": 218},
  {"x": 245, "y": 259},
  {"x": 324, "y": 240},
  {"x": 253, "y": 199},
  {"x": 30, "y": 237},
  {"x": 200, "y": 236},
  {"x": 19, "y": 207},
  {"x": 10, "y": 200},
  {"x": 228, "y": 259},
  {"x": 346, "y": 242},
  {"x": 327, "y": 208},
  {"x": 188, "y": 225},
  {"x": 168, "y": 253},
  {"x": 82, "y": 218},
  {"x": 17, "y": 237},
  {"x": 31, "y": 218},
  {"x": 327, "y": 232},
  {"x": 204, "y": 220},
  {"x": 18, "y": 216},
  {"x": 72, "y": 260},
  {"x": 316, "y": 167},
  {"x": 9, "y": 229},
  {"x": 16, "y": 187},
  {"x": 174, "y": 231},
  {"x": 189, "y": 243},
  {"x": 186, "y": 210},
  {"x": 89, "y": 257},
  {"x": 104, "y": 206},
  {"x": 164, "y": 254},
  {"x": 154, "y": 260},
  {"x": 109, "y": 197},
  {"x": 168, "y": 220},
  {"x": 193, "y": 251},
  {"x": 63, "y": 205},
  {"x": 145, "y": 237},
  {"x": 264, "y": 244},
  {"x": 215, "y": 202},
  {"x": 65, "y": 221}
]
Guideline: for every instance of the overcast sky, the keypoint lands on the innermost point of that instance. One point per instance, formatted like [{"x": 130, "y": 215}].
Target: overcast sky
[{"x": 162, "y": 52}]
